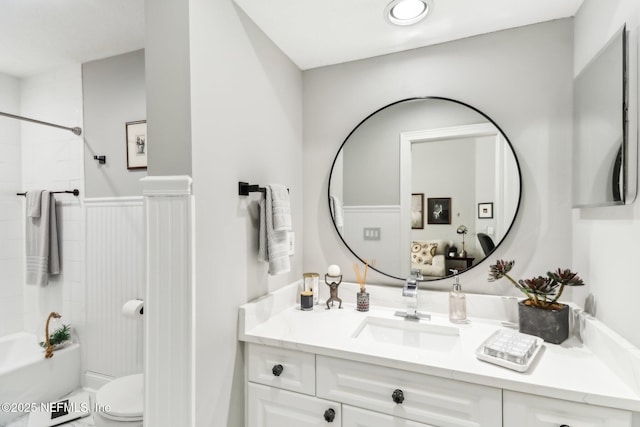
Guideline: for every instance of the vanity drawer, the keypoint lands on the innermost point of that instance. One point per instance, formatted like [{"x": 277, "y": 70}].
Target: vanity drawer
[
  {"x": 526, "y": 410},
  {"x": 427, "y": 399},
  {"x": 272, "y": 407},
  {"x": 297, "y": 371},
  {"x": 356, "y": 417}
]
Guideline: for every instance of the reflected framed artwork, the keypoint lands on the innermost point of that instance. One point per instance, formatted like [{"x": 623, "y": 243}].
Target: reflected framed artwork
[
  {"x": 439, "y": 210},
  {"x": 136, "y": 144},
  {"x": 417, "y": 211},
  {"x": 485, "y": 210}
]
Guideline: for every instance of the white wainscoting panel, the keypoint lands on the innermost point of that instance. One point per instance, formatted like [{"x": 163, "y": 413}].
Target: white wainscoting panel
[
  {"x": 169, "y": 310},
  {"x": 115, "y": 273}
]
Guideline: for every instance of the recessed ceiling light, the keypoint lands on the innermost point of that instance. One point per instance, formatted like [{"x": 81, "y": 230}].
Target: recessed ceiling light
[{"x": 407, "y": 12}]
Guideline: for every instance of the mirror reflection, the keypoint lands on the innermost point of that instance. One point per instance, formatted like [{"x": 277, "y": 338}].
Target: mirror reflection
[{"x": 425, "y": 183}]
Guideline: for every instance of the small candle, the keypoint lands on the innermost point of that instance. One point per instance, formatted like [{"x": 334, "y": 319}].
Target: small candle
[
  {"x": 306, "y": 300},
  {"x": 333, "y": 270}
]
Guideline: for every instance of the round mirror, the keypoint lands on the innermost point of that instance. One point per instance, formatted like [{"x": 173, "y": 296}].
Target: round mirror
[{"x": 428, "y": 184}]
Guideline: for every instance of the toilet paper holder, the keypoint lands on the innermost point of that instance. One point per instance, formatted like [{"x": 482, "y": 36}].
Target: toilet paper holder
[{"x": 133, "y": 308}]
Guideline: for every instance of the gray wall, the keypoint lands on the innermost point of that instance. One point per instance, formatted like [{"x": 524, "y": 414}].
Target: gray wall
[
  {"x": 113, "y": 92},
  {"x": 168, "y": 87},
  {"x": 436, "y": 178},
  {"x": 521, "y": 78},
  {"x": 246, "y": 109},
  {"x": 372, "y": 152}
]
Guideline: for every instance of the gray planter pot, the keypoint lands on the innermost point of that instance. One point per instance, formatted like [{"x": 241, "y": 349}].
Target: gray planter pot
[{"x": 550, "y": 325}]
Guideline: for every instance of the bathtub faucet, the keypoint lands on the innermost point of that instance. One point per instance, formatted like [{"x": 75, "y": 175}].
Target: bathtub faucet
[{"x": 49, "y": 353}]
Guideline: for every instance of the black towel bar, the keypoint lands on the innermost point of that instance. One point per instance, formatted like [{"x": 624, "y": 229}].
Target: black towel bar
[
  {"x": 75, "y": 192},
  {"x": 244, "y": 189}
]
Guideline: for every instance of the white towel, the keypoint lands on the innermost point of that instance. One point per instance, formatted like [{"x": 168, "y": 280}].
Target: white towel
[
  {"x": 42, "y": 247},
  {"x": 34, "y": 204},
  {"x": 336, "y": 212},
  {"x": 281, "y": 207},
  {"x": 273, "y": 245}
]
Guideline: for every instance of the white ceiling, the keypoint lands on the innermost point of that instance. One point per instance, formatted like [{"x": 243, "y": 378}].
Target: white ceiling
[
  {"x": 315, "y": 33},
  {"x": 37, "y": 35}
]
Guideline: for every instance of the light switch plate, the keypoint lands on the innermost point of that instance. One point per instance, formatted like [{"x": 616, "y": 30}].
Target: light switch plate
[
  {"x": 292, "y": 243},
  {"x": 371, "y": 233}
]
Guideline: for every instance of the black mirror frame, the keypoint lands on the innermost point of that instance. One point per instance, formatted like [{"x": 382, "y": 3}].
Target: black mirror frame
[{"x": 515, "y": 215}]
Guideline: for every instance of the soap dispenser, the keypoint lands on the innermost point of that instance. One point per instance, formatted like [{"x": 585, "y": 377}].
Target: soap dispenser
[{"x": 457, "y": 302}]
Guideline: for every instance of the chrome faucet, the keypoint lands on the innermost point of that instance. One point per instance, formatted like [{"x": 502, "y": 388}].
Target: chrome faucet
[{"x": 410, "y": 296}]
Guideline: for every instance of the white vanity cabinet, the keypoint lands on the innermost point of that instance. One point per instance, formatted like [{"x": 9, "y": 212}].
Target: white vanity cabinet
[
  {"x": 288, "y": 387},
  {"x": 526, "y": 410},
  {"x": 300, "y": 363},
  {"x": 281, "y": 390},
  {"x": 408, "y": 395}
]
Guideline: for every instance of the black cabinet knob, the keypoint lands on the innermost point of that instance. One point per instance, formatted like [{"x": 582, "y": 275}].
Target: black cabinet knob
[
  {"x": 329, "y": 415},
  {"x": 397, "y": 396},
  {"x": 277, "y": 370},
  {"x": 565, "y": 425}
]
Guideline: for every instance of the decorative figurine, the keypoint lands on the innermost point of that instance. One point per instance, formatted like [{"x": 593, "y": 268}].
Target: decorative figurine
[{"x": 333, "y": 278}]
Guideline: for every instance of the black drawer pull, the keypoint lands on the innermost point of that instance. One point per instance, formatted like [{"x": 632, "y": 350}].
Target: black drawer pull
[
  {"x": 329, "y": 415},
  {"x": 277, "y": 370},
  {"x": 397, "y": 396}
]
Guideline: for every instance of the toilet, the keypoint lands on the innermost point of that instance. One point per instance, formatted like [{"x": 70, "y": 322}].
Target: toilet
[{"x": 119, "y": 403}]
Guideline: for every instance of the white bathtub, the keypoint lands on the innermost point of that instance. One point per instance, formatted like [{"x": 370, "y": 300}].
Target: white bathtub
[{"x": 27, "y": 377}]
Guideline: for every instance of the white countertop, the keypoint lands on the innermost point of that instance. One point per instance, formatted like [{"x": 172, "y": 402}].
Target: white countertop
[{"x": 570, "y": 371}]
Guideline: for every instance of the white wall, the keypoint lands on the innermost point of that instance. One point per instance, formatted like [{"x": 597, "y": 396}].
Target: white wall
[
  {"x": 115, "y": 273},
  {"x": 520, "y": 78},
  {"x": 246, "y": 114},
  {"x": 52, "y": 159},
  {"x": 605, "y": 248},
  {"x": 11, "y": 240}
]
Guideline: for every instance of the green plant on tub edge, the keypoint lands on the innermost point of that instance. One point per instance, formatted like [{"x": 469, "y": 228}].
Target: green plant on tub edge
[
  {"x": 58, "y": 336},
  {"x": 542, "y": 291}
]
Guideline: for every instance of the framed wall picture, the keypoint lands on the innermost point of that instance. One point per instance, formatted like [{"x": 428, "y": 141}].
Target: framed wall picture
[
  {"x": 417, "y": 211},
  {"x": 439, "y": 210},
  {"x": 485, "y": 210},
  {"x": 137, "y": 144}
]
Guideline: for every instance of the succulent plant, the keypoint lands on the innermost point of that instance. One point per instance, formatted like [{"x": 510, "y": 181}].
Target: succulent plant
[{"x": 541, "y": 291}]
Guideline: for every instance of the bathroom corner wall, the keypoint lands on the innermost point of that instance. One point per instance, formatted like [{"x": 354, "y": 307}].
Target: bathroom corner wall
[
  {"x": 11, "y": 237},
  {"x": 52, "y": 160},
  {"x": 246, "y": 115}
]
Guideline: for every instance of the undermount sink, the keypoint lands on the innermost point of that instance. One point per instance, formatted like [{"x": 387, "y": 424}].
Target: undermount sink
[{"x": 411, "y": 333}]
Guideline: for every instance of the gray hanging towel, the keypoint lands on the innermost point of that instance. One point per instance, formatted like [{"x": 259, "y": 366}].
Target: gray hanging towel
[{"x": 42, "y": 246}]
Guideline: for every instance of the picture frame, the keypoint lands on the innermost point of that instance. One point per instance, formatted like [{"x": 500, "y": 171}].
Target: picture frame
[
  {"x": 417, "y": 211},
  {"x": 485, "y": 210},
  {"x": 136, "y": 139},
  {"x": 439, "y": 210}
]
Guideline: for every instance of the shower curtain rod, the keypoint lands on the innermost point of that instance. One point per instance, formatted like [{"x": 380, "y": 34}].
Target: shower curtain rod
[{"x": 76, "y": 130}]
